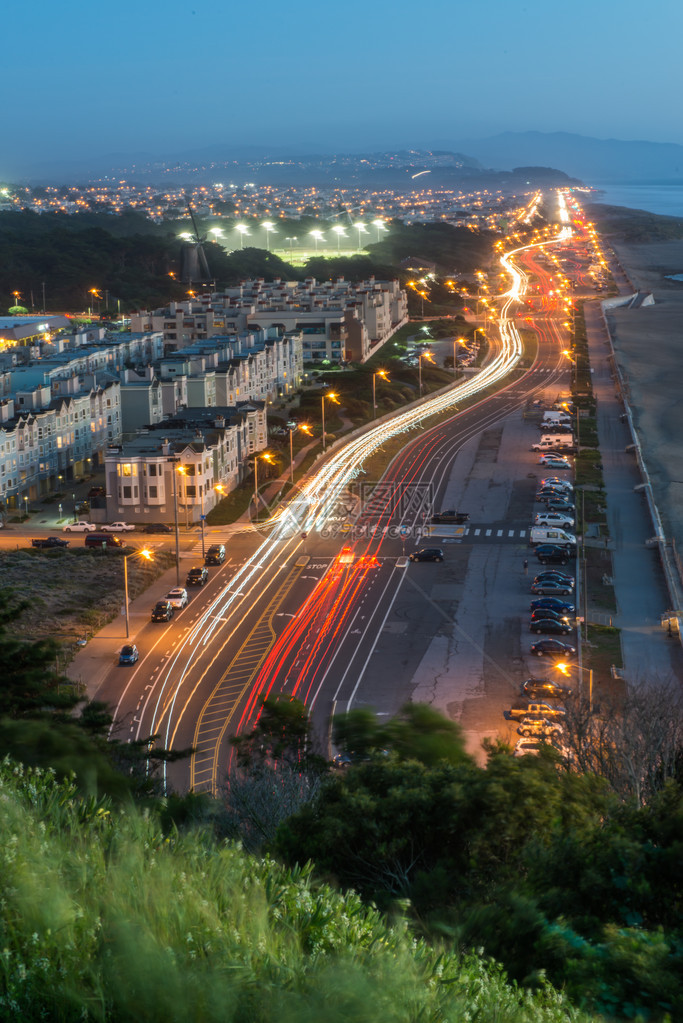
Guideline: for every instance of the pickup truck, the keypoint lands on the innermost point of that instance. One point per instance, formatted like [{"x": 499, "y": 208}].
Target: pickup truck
[
  {"x": 450, "y": 515},
  {"x": 49, "y": 541},
  {"x": 526, "y": 708}
]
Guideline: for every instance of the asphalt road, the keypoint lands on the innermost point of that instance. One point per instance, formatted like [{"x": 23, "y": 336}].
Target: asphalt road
[{"x": 341, "y": 619}]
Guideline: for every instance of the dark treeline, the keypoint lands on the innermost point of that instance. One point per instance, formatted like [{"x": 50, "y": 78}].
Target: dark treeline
[{"x": 135, "y": 262}]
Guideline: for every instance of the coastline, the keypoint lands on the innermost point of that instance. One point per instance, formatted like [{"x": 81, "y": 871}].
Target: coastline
[{"x": 648, "y": 344}]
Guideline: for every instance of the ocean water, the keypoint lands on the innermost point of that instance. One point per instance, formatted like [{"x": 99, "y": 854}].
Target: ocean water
[{"x": 664, "y": 199}]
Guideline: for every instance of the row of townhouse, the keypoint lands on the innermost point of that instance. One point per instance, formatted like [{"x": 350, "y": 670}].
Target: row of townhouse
[
  {"x": 50, "y": 439},
  {"x": 176, "y": 466},
  {"x": 337, "y": 320},
  {"x": 60, "y": 412},
  {"x": 220, "y": 371}
]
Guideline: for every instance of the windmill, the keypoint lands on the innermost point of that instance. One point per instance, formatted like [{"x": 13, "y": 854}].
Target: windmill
[{"x": 193, "y": 264}]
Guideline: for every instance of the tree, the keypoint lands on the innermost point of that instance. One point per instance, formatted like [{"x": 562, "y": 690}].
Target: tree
[{"x": 636, "y": 745}]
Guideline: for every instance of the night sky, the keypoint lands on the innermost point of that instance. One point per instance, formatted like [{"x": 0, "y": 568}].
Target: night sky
[{"x": 167, "y": 78}]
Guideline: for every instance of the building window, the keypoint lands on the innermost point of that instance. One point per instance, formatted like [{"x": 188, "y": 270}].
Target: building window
[
  {"x": 127, "y": 491},
  {"x": 152, "y": 491}
]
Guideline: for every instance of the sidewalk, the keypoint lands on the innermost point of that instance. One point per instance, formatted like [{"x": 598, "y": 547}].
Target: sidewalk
[{"x": 649, "y": 653}]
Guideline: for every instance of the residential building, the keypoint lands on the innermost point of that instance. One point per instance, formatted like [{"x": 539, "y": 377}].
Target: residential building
[{"x": 210, "y": 446}]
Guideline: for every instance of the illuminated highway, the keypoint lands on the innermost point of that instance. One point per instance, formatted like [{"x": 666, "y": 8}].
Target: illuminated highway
[{"x": 303, "y": 615}]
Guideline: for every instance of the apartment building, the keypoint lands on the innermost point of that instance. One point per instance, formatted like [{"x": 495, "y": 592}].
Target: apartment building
[
  {"x": 48, "y": 439},
  {"x": 337, "y": 320},
  {"x": 180, "y": 462}
]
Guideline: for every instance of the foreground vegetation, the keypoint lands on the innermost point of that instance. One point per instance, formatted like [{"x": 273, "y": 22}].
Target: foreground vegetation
[{"x": 103, "y": 916}]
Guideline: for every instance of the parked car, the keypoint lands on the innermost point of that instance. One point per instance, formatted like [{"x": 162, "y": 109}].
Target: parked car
[
  {"x": 560, "y": 505},
  {"x": 551, "y": 588},
  {"x": 162, "y": 611},
  {"x": 553, "y": 604},
  {"x": 129, "y": 654},
  {"x": 554, "y": 573},
  {"x": 556, "y": 481},
  {"x": 554, "y": 518},
  {"x": 539, "y": 727},
  {"x": 427, "y": 554},
  {"x": 552, "y": 648},
  {"x": 544, "y": 689},
  {"x": 49, "y": 541},
  {"x": 542, "y": 613},
  {"x": 79, "y": 527},
  {"x": 157, "y": 527},
  {"x": 551, "y": 554},
  {"x": 550, "y": 626},
  {"x": 554, "y": 463},
  {"x": 546, "y": 494},
  {"x": 197, "y": 577},
  {"x": 117, "y": 527},
  {"x": 522, "y": 708},
  {"x": 215, "y": 555},
  {"x": 527, "y": 747},
  {"x": 177, "y": 598}
]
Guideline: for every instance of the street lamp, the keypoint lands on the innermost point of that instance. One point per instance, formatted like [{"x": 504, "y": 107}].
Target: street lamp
[
  {"x": 268, "y": 225},
  {"x": 421, "y": 356},
  {"x": 144, "y": 553},
  {"x": 383, "y": 374},
  {"x": 267, "y": 457},
  {"x": 291, "y": 239},
  {"x": 319, "y": 236},
  {"x": 243, "y": 229},
  {"x": 305, "y": 428},
  {"x": 340, "y": 233},
  {"x": 360, "y": 227},
  {"x": 457, "y": 341},
  {"x": 379, "y": 224},
  {"x": 173, "y": 461},
  {"x": 217, "y": 231},
  {"x": 331, "y": 397},
  {"x": 565, "y": 668}
]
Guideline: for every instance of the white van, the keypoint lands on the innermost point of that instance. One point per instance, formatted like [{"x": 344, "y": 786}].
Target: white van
[
  {"x": 550, "y": 534},
  {"x": 550, "y": 418},
  {"x": 554, "y": 441}
]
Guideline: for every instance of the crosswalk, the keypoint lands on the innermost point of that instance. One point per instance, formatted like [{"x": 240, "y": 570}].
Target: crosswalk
[{"x": 474, "y": 534}]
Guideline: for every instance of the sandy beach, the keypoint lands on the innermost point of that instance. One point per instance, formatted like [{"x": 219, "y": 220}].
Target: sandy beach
[{"x": 648, "y": 343}]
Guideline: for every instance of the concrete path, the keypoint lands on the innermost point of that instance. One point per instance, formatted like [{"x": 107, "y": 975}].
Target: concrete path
[{"x": 649, "y": 653}]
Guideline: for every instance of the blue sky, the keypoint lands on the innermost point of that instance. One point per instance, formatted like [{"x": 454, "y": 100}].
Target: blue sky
[{"x": 161, "y": 78}]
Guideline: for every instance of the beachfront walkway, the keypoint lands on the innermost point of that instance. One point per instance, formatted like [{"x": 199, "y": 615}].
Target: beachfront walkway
[{"x": 649, "y": 653}]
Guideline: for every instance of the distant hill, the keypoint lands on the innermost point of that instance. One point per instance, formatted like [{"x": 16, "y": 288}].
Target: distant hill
[{"x": 595, "y": 161}]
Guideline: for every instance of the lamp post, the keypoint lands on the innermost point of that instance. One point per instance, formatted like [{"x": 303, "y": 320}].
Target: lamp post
[
  {"x": 319, "y": 236},
  {"x": 217, "y": 232},
  {"x": 360, "y": 227},
  {"x": 267, "y": 457},
  {"x": 379, "y": 224},
  {"x": 340, "y": 233},
  {"x": 383, "y": 374},
  {"x": 291, "y": 239},
  {"x": 332, "y": 397},
  {"x": 456, "y": 341},
  {"x": 144, "y": 553},
  {"x": 268, "y": 225},
  {"x": 175, "y": 520},
  {"x": 243, "y": 229},
  {"x": 564, "y": 668},
  {"x": 305, "y": 428}
]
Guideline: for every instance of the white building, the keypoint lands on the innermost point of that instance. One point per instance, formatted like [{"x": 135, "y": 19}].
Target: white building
[
  {"x": 338, "y": 320},
  {"x": 210, "y": 446}
]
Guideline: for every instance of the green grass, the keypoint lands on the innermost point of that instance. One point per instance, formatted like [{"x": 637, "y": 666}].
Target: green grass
[{"x": 105, "y": 917}]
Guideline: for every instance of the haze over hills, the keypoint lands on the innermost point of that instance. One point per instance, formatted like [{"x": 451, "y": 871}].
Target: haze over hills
[
  {"x": 491, "y": 160},
  {"x": 595, "y": 161}
]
